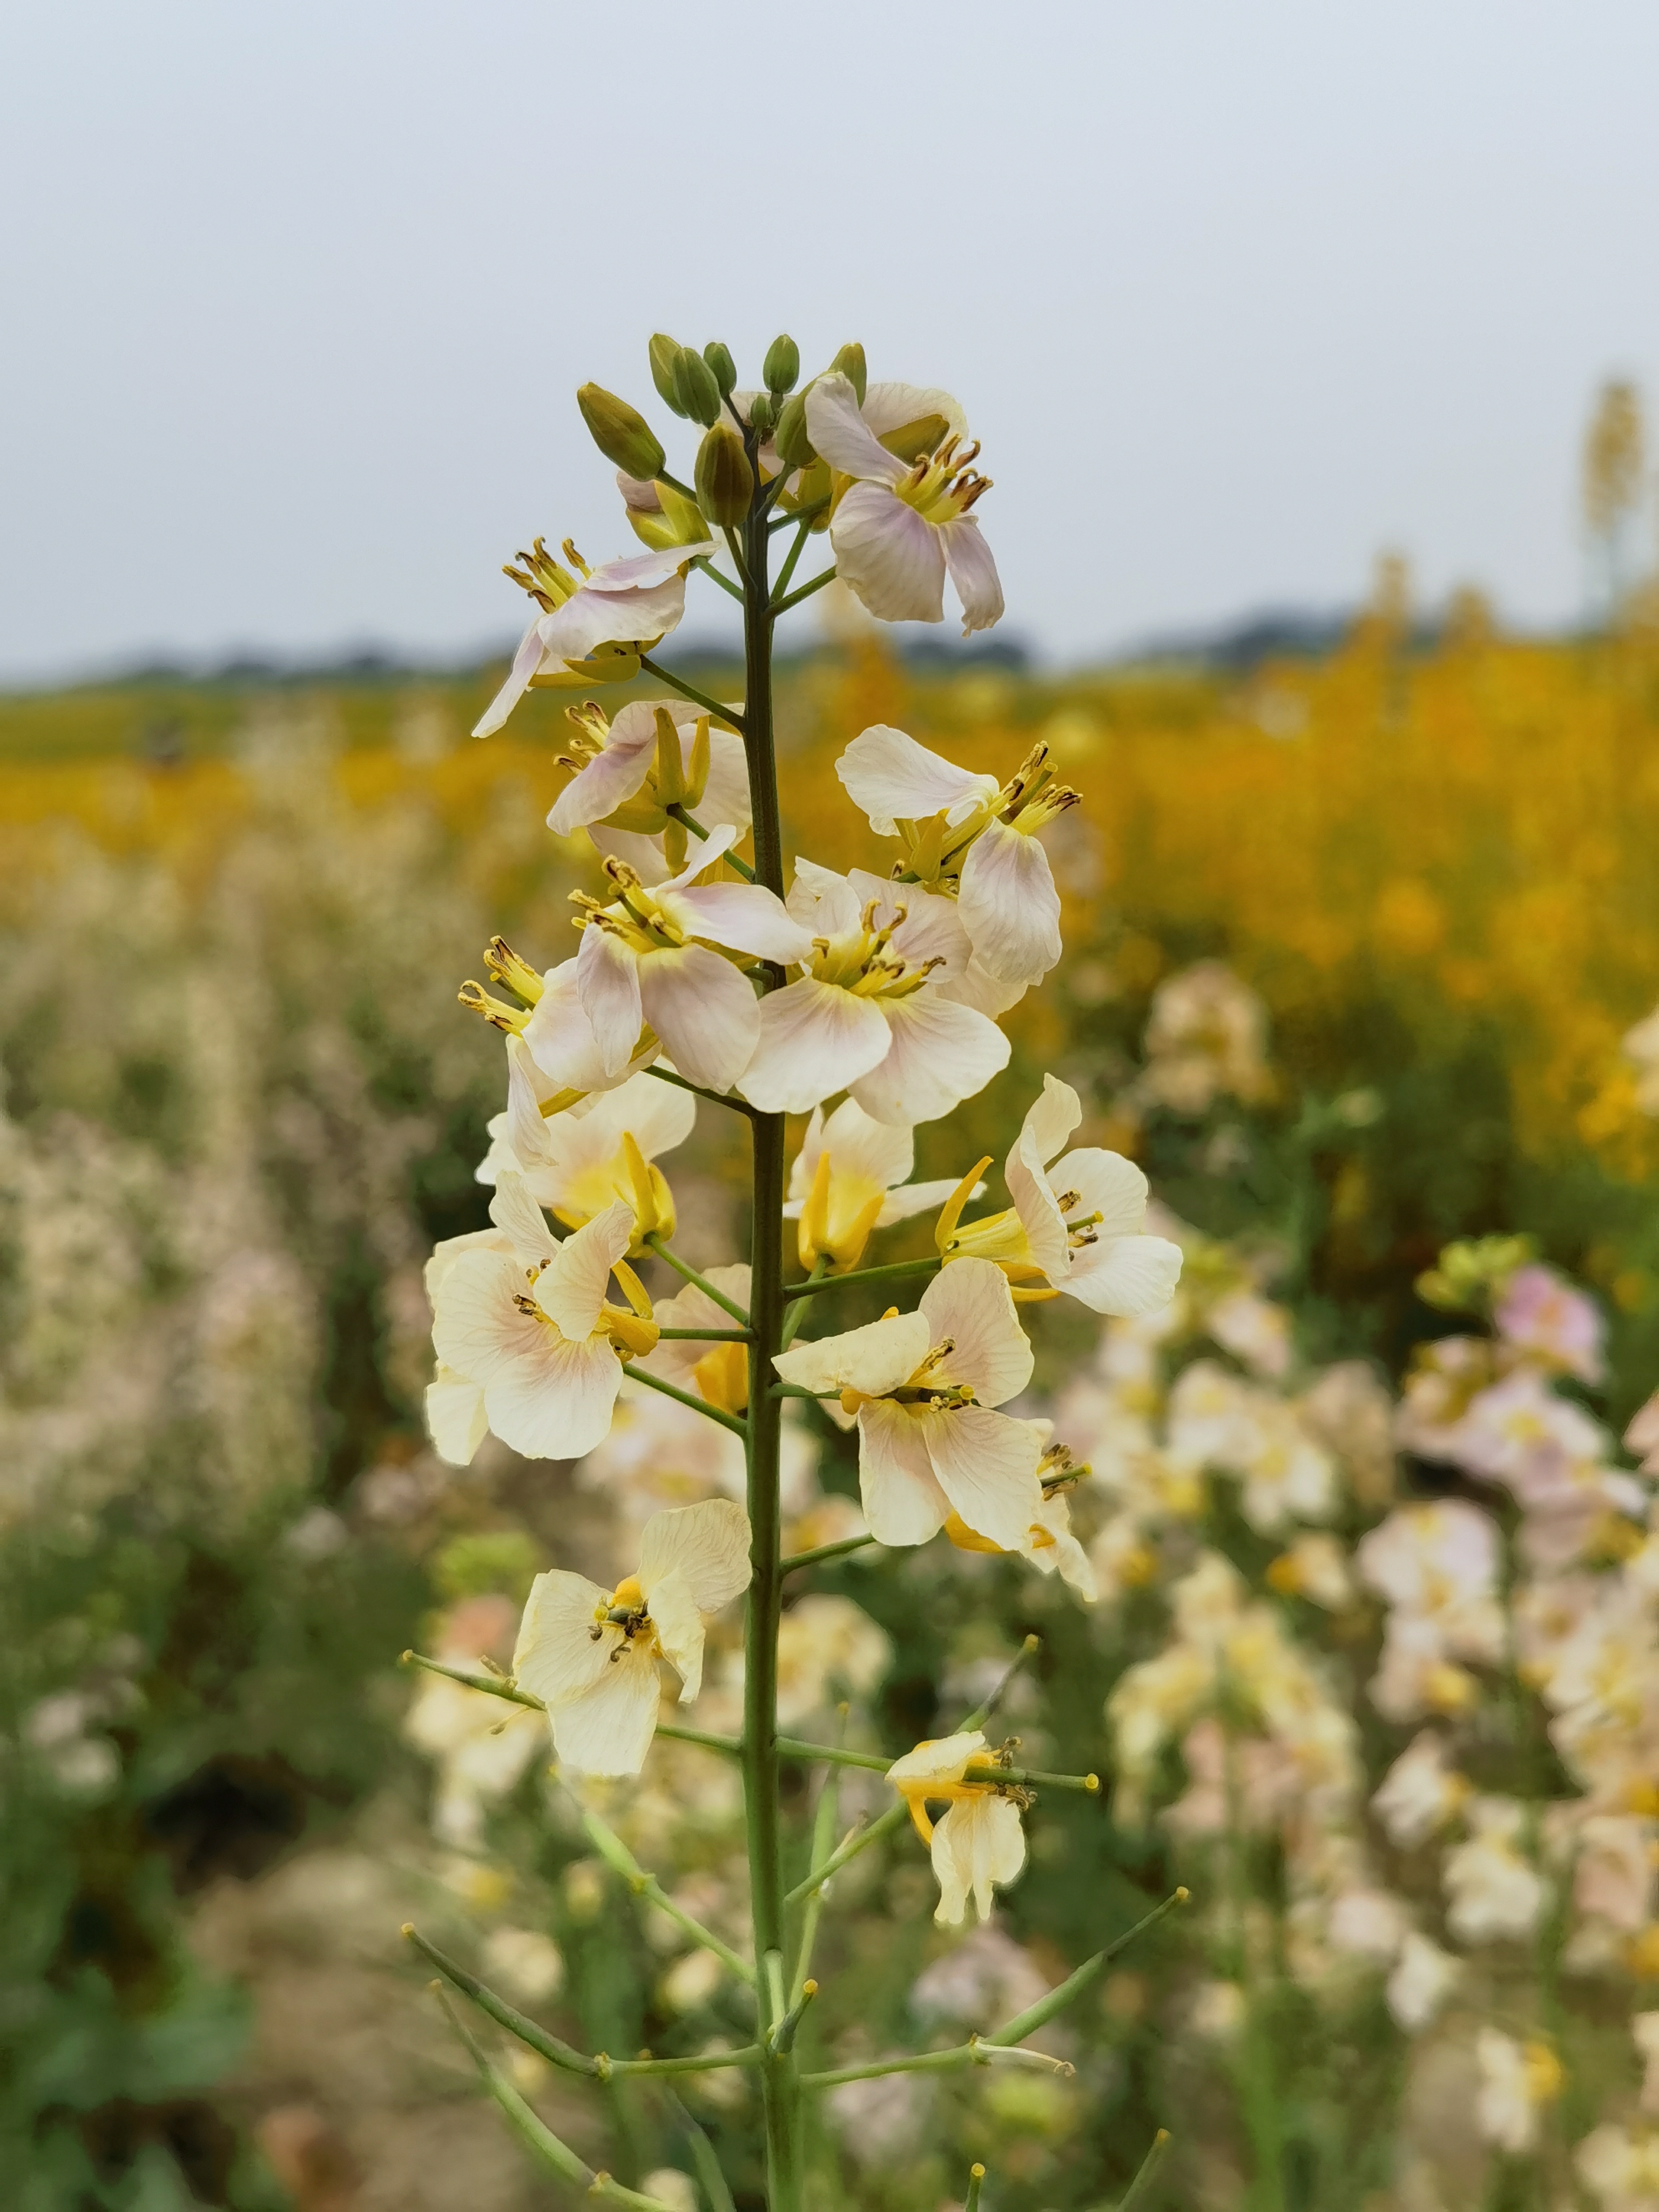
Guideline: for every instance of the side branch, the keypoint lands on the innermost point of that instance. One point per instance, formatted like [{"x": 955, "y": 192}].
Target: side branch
[
  {"x": 689, "y": 1274},
  {"x": 738, "y": 722},
  {"x": 888, "y": 1275},
  {"x": 616, "y": 1854},
  {"x": 714, "y": 1098},
  {"x": 697, "y": 1405}
]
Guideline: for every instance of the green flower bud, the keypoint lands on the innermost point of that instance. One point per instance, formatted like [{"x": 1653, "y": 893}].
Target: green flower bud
[
  {"x": 782, "y": 366},
  {"x": 695, "y": 387},
  {"x": 850, "y": 361},
  {"x": 724, "y": 480},
  {"x": 794, "y": 447},
  {"x": 762, "y": 411},
  {"x": 621, "y": 431},
  {"x": 724, "y": 368},
  {"x": 664, "y": 351}
]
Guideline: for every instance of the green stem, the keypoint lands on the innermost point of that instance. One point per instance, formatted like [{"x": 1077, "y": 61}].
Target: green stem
[
  {"x": 707, "y": 566},
  {"x": 1146, "y": 2173},
  {"x": 684, "y": 1397},
  {"x": 982, "y": 1713},
  {"x": 799, "y": 514},
  {"x": 797, "y": 1311},
  {"x": 714, "y": 1098},
  {"x": 706, "y": 1336},
  {"x": 691, "y": 1275},
  {"x": 683, "y": 815},
  {"x": 824, "y": 1830},
  {"x": 794, "y": 554},
  {"x": 820, "y": 1553},
  {"x": 616, "y": 1854},
  {"x": 782, "y": 606},
  {"x": 860, "y": 1839},
  {"x": 691, "y": 691},
  {"x": 493, "y": 1685},
  {"x": 888, "y": 1275}
]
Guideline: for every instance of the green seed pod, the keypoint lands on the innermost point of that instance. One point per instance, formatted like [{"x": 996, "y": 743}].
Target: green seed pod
[
  {"x": 663, "y": 350},
  {"x": 695, "y": 387},
  {"x": 724, "y": 480},
  {"x": 724, "y": 368},
  {"x": 795, "y": 448},
  {"x": 850, "y": 361},
  {"x": 782, "y": 366},
  {"x": 620, "y": 432}
]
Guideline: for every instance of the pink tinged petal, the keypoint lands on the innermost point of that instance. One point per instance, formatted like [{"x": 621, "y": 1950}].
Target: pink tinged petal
[
  {"x": 725, "y": 794},
  {"x": 525, "y": 661},
  {"x": 703, "y": 1010},
  {"x": 913, "y": 1198},
  {"x": 597, "y": 617},
  {"x": 1124, "y": 1275},
  {"x": 657, "y": 1115},
  {"x": 706, "y": 1545},
  {"x": 560, "y": 1037},
  {"x": 455, "y": 1418},
  {"x": 609, "y": 1730},
  {"x": 890, "y": 406},
  {"x": 875, "y": 1359},
  {"x": 902, "y": 1502},
  {"x": 445, "y": 1255},
  {"x": 526, "y": 1127},
  {"x": 931, "y": 928},
  {"x": 986, "y": 1464},
  {"x": 938, "y": 1054},
  {"x": 608, "y": 978},
  {"x": 977, "y": 986},
  {"x": 872, "y": 1151},
  {"x": 571, "y": 1288},
  {"x": 678, "y": 1625},
  {"x": 1008, "y": 905},
  {"x": 969, "y": 1302},
  {"x": 1050, "y": 1120},
  {"x": 555, "y": 1402},
  {"x": 556, "y": 1657},
  {"x": 825, "y": 903},
  {"x": 477, "y": 1330},
  {"x": 614, "y": 775},
  {"x": 893, "y": 779},
  {"x": 973, "y": 572},
  {"x": 841, "y": 435},
  {"x": 635, "y": 572},
  {"x": 887, "y": 557},
  {"x": 814, "y": 1038},
  {"x": 746, "y": 917},
  {"x": 516, "y": 1212},
  {"x": 805, "y": 1167}
]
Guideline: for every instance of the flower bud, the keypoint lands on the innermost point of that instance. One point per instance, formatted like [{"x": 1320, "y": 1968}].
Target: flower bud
[
  {"x": 850, "y": 362},
  {"x": 695, "y": 387},
  {"x": 762, "y": 413},
  {"x": 782, "y": 366},
  {"x": 795, "y": 448},
  {"x": 664, "y": 351},
  {"x": 621, "y": 431},
  {"x": 726, "y": 369},
  {"x": 726, "y": 483}
]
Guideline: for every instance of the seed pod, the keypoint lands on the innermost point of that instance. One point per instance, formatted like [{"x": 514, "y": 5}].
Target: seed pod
[
  {"x": 620, "y": 432},
  {"x": 782, "y": 366},
  {"x": 663, "y": 351},
  {"x": 695, "y": 387},
  {"x": 850, "y": 361},
  {"x": 726, "y": 483},
  {"x": 724, "y": 368}
]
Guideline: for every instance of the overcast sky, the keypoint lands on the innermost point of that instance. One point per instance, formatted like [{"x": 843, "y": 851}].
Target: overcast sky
[{"x": 1235, "y": 291}]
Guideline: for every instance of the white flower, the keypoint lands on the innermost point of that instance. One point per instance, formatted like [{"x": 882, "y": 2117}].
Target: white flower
[
  {"x": 1419, "y": 1792},
  {"x": 1206, "y": 1036},
  {"x": 1493, "y": 1891},
  {"x": 980, "y": 1842},
  {"x": 1516, "y": 2079},
  {"x": 896, "y": 529},
  {"x": 1049, "y": 1544},
  {"x": 1620, "y": 2166},
  {"x": 1640, "y": 1046},
  {"x": 867, "y": 1016},
  {"x": 1437, "y": 1562},
  {"x": 657, "y": 753},
  {"x": 591, "y": 1655},
  {"x": 1076, "y": 1222},
  {"x": 850, "y": 1176},
  {"x": 922, "y": 1386},
  {"x": 649, "y": 957},
  {"x": 524, "y": 1320},
  {"x": 590, "y": 630},
  {"x": 717, "y": 1372},
  {"x": 967, "y": 835},
  {"x": 1315, "y": 1567},
  {"x": 828, "y": 1647},
  {"x": 1421, "y": 1980},
  {"x": 578, "y": 1163}
]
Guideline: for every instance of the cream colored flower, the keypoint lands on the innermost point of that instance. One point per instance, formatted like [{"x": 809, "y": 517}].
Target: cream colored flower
[
  {"x": 656, "y": 754},
  {"x": 1516, "y": 2080},
  {"x": 1076, "y": 1222},
  {"x": 596, "y": 1153},
  {"x": 1422, "y": 1979},
  {"x": 1494, "y": 1892},
  {"x": 1420, "y": 1793},
  {"x": 1049, "y": 1544},
  {"x": 524, "y": 1321},
  {"x": 717, "y": 1372},
  {"x": 1619, "y": 2165},
  {"x": 591, "y": 1655},
  {"x": 980, "y": 1842},
  {"x": 850, "y": 1176},
  {"x": 922, "y": 1387}
]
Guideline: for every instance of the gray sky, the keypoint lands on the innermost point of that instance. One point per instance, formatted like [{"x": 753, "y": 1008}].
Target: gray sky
[{"x": 1235, "y": 291}]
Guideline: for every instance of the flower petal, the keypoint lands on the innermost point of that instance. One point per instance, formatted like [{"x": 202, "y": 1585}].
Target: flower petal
[
  {"x": 609, "y": 1730},
  {"x": 889, "y": 406},
  {"x": 1124, "y": 1275},
  {"x": 445, "y": 1255},
  {"x": 913, "y": 1198},
  {"x": 525, "y": 661},
  {"x": 842, "y": 437},
  {"x": 1106, "y": 1184},
  {"x": 478, "y": 1329},
  {"x": 873, "y": 1151},
  {"x": 725, "y": 794},
  {"x": 930, "y": 928},
  {"x": 455, "y": 1418},
  {"x": 612, "y": 775},
  {"x": 657, "y": 1115},
  {"x": 825, "y": 903},
  {"x": 894, "y": 778},
  {"x": 557, "y": 1402},
  {"x": 887, "y": 557},
  {"x": 571, "y": 1288},
  {"x": 814, "y": 1038},
  {"x": 560, "y": 1038},
  {"x": 974, "y": 573},
  {"x": 608, "y": 978},
  {"x": 706, "y": 1544},
  {"x": 602, "y": 614},
  {"x": 678, "y": 1625},
  {"x": 805, "y": 1165},
  {"x": 902, "y": 1501},
  {"x": 1008, "y": 905},
  {"x": 516, "y": 1212},
  {"x": 986, "y": 1464},
  {"x": 704, "y": 1012},
  {"x": 746, "y": 917},
  {"x": 938, "y": 1054},
  {"x": 969, "y": 1302},
  {"x": 941, "y": 1759},
  {"x": 556, "y": 1656},
  {"x": 875, "y": 1359}
]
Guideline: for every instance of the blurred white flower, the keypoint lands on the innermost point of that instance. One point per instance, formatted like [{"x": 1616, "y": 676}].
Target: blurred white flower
[
  {"x": 1422, "y": 1980},
  {"x": 1493, "y": 1891},
  {"x": 1517, "y": 2080}
]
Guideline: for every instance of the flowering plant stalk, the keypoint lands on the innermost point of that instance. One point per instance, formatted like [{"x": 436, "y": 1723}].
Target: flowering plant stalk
[{"x": 769, "y": 986}]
